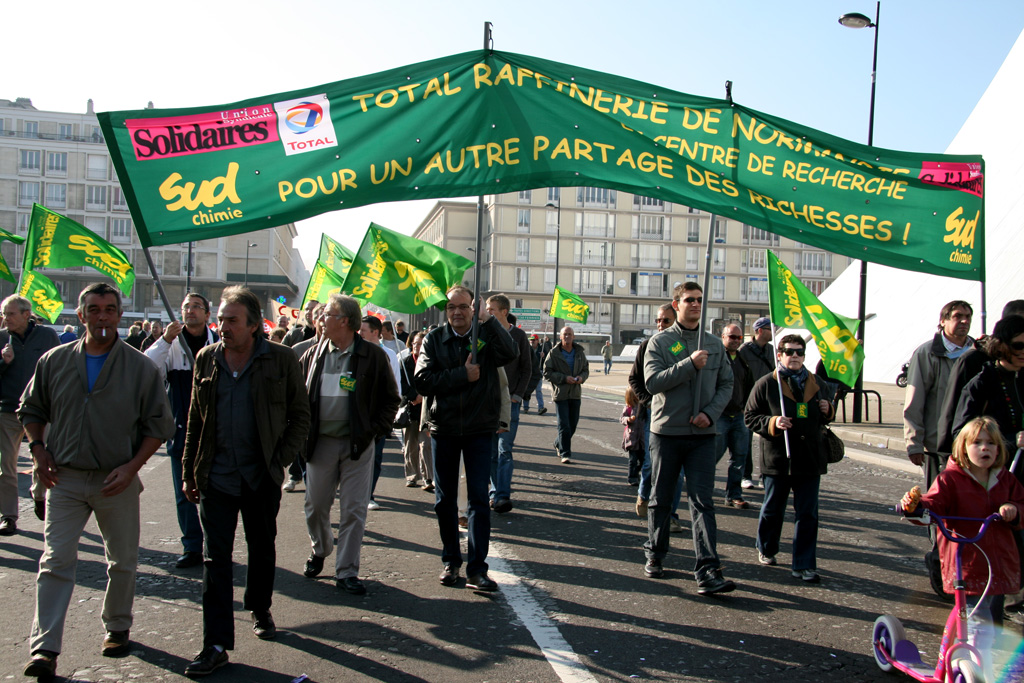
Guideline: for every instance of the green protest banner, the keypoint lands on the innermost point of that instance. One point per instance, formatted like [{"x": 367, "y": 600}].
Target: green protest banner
[
  {"x": 55, "y": 241},
  {"x": 43, "y": 294},
  {"x": 485, "y": 122},
  {"x": 334, "y": 256},
  {"x": 794, "y": 306},
  {"x": 323, "y": 282},
  {"x": 568, "y": 306},
  {"x": 401, "y": 273},
  {"x": 5, "y": 270}
]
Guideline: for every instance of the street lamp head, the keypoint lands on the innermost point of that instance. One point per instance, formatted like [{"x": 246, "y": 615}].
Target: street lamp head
[
  {"x": 856, "y": 20},
  {"x": 551, "y": 205},
  {"x": 253, "y": 244}
]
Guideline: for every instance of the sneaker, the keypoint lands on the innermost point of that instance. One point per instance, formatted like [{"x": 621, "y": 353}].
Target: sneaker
[
  {"x": 747, "y": 484},
  {"x": 207, "y": 661},
  {"x": 373, "y": 505},
  {"x": 765, "y": 560},
  {"x": 314, "y": 565},
  {"x": 481, "y": 582},
  {"x": 806, "y": 575},
  {"x": 654, "y": 569},
  {"x": 566, "y": 460},
  {"x": 351, "y": 585},
  {"x": 526, "y": 410},
  {"x": 116, "y": 644},
  {"x": 463, "y": 522},
  {"x": 737, "y": 503},
  {"x": 641, "y": 508},
  {"x": 633, "y": 481},
  {"x": 714, "y": 582},
  {"x": 43, "y": 665},
  {"x": 542, "y": 411},
  {"x": 263, "y": 625},
  {"x": 410, "y": 483},
  {"x": 674, "y": 527},
  {"x": 428, "y": 486},
  {"x": 449, "y": 575},
  {"x": 189, "y": 559},
  {"x": 289, "y": 486},
  {"x": 8, "y": 526}
]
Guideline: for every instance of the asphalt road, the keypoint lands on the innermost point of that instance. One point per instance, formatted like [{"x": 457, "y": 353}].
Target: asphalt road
[{"x": 574, "y": 603}]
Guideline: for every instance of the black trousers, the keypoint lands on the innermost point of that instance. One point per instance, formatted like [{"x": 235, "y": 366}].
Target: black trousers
[{"x": 218, "y": 513}]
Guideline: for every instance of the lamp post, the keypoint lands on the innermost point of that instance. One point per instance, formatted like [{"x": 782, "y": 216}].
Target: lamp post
[
  {"x": 856, "y": 20},
  {"x": 248, "y": 245},
  {"x": 558, "y": 240}
]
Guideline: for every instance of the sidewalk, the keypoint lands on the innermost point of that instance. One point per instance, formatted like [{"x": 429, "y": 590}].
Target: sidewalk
[{"x": 869, "y": 441}]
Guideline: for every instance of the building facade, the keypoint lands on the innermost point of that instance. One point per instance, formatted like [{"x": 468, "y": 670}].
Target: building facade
[
  {"x": 623, "y": 253},
  {"x": 60, "y": 160}
]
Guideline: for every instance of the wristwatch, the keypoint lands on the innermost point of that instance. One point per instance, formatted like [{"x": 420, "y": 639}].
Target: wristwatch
[{"x": 32, "y": 444}]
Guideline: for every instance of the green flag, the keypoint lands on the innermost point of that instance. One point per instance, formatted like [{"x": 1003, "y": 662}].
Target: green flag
[
  {"x": 5, "y": 271},
  {"x": 322, "y": 283},
  {"x": 55, "y": 241},
  {"x": 568, "y": 306},
  {"x": 334, "y": 256},
  {"x": 793, "y": 305},
  {"x": 43, "y": 294},
  {"x": 402, "y": 273}
]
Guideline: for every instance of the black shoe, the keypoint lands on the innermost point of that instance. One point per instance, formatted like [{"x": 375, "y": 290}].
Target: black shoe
[
  {"x": 502, "y": 506},
  {"x": 8, "y": 526},
  {"x": 481, "y": 582},
  {"x": 713, "y": 582},
  {"x": 189, "y": 559},
  {"x": 263, "y": 625},
  {"x": 351, "y": 585},
  {"x": 40, "y": 509},
  {"x": 633, "y": 481},
  {"x": 542, "y": 411},
  {"x": 654, "y": 569},
  {"x": 206, "y": 662},
  {"x": 42, "y": 666},
  {"x": 450, "y": 575},
  {"x": 526, "y": 410},
  {"x": 314, "y": 565},
  {"x": 116, "y": 644}
]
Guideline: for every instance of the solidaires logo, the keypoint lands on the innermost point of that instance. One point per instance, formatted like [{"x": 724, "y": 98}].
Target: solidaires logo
[{"x": 303, "y": 118}]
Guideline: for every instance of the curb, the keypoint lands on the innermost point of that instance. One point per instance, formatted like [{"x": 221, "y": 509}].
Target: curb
[{"x": 869, "y": 438}]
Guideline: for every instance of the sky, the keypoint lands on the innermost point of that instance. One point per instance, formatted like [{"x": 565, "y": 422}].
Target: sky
[{"x": 787, "y": 58}]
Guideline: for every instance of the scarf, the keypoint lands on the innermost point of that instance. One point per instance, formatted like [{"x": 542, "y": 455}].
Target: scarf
[{"x": 797, "y": 380}]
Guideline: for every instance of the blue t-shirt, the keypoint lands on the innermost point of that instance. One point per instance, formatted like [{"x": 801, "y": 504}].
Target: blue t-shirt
[
  {"x": 570, "y": 358},
  {"x": 93, "y": 365}
]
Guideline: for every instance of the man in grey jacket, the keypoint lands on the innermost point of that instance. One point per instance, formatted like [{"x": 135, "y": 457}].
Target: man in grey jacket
[
  {"x": 690, "y": 388},
  {"x": 566, "y": 367}
]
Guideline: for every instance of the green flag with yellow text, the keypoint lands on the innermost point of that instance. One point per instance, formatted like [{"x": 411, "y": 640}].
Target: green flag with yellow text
[
  {"x": 568, "y": 306},
  {"x": 322, "y": 283},
  {"x": 334, "y": 256},
  {"x": 5, "y": 270},
  {"x": 55, "y": 241},
  {"x": 402, "y": 273},
  {"x": 43, "y": 294},
  {"x": 794, "y": 306}
]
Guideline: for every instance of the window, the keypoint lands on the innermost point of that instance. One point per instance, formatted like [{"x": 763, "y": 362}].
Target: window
[
  {"x": 752, "y": 235},
  {"x": 97, "y": 134},
  {"x": 590, "y": 281},
  {"x": 720, "y": 231},
  {"x": 551, "y": 222},
  {"x": 593, "y": 253},
  {"x": 66, "y": 131},
  {"x": 56, "y": 195},
  {"x": 96, "y": 197},
  {"x": 57, "y": 163},
  {"x": 525, "y": 196},
  {"x": 651, "y": 227},
  {"x": 117, "y": 201},
  {"x": 96, "y": 168},
  {"x": 817, "y": 263},
  {"x": 522, "y": 279},
  {"x": 690, "y": 209},
  {"x": 650, "y": 255},
  {"x": 188, "y": 264},
  {"x": 693, "y": 230},
  {"x": 641, "y": 203},
  {"x": 718, "y": 259},
  {"x": 523, "y": 250},
  {"x": 691, "y": 257},
  {"x": 549, "y": 279},
  {"x": 98, "y": 224},
  {"x": 649, "y": 284},
  {"x": 816, "y": 286},
  {"x": 120, "y": 229},
  {"x": 626, "y": 313},
  {"x": 554, "y": 195},
  {"x": 523, "y": 220},
  {"x": 29, "y": 161},
  {"x": 31, "y": 129},
  {"x": 718, "y": 287},
  {"x": 756, "y": 261},
  {"x": 591, "y": 224},
  {"x": 644, "y": 314},
  {"x": 595, "y": 197},
  {"x": 757, "y": 288},
  {"x": 28, "y": 193},
  {"x": 23, "y": 219},
  {"x": 550, "y": 251}
]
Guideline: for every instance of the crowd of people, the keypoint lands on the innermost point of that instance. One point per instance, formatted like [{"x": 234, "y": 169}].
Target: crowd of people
[{"x": 247, "y": 418}]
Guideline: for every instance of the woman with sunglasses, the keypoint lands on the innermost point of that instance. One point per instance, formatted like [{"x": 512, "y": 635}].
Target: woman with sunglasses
[
  {"x": 798, "y": 468},
  {"x": 997, "y": 391}
]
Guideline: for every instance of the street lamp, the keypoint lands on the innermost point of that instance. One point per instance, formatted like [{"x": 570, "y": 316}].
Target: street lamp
[
  {"x": 558, "y": 240},
  {"x": 857, "y": 20},
  {"x": 248, "y": 245}
]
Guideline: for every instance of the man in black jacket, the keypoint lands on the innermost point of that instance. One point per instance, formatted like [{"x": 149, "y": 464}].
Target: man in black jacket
[
  {"x": 760, "y": 358},
  {"x": 463, "y": 407}
]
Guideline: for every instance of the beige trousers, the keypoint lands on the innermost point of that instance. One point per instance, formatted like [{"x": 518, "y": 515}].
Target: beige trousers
[{"x": 11, "y": 432}]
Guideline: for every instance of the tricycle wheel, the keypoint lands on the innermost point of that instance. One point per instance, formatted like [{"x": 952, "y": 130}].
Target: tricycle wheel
[{"x": 887, "y": 632}]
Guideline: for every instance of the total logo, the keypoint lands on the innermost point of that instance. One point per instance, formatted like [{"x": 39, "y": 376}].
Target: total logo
[{"x": 305, "y": 124}]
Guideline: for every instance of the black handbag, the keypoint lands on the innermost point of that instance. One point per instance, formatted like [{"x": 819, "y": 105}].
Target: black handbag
[
  {"x": 404, "y": 416},
  {"x": 834, "y": 447}
]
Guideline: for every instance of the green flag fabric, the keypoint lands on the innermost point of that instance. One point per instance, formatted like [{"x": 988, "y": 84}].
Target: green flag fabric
[
  {"x": 43, "y": 294},
  {"x": 323, "y": 282},
  {"x": 334, "y": 256},
  {"x": 401, "y": 273},
  {"x": 55, "y": 241},
  {"x": 569, "y": 307},
  {"x": 5, "y": 270},
  {"x": 794, "y": 306},
  {"x": 487, "y": 121}
]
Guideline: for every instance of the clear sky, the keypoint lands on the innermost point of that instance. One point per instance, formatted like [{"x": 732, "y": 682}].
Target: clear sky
[{"x": 788, "y": 58}]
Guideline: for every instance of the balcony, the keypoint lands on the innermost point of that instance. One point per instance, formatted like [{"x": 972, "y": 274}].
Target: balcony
[
  {"x": 637, "y": 262},
  {"x": 98, "y": 139}
]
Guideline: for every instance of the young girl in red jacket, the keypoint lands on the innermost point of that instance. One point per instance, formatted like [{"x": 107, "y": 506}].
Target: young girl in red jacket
[
  {"x": 632, "y": 437},
  {"x": 975, "y": 484}
]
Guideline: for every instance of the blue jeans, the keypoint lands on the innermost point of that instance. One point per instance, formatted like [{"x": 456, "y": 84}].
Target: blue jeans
[
  {"x": 501, "y": 459},
  {"x": 378, "y": 461},
  {"x": 805, "y": 508},
  {"x": 732, "y": 433},
  {"x": 474, "y": 450},
  {"x": 539, "y": 393},
  {"x": 607, "y": 365},
  {"x": 669, "y": 455},
  {"x": 568, "y": 418},
  {"x": 644, "y": 490},
  {"x": 188, "y": 513}
]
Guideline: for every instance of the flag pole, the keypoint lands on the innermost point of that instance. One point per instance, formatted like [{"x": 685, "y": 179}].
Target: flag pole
[
  {"x": 475, "y": 332},
  {"x": 159, "y": 285},
  {"x": 775, "y": 345},
  {"x": 703, "y": 311}
]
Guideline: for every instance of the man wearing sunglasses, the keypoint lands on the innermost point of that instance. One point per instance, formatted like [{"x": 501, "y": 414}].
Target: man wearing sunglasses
[
  {"x": 732, "y": 433},
  {"x": 683, "y": 434}
]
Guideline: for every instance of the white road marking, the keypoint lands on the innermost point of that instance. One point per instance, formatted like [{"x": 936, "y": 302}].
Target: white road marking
[{"x": 563, "y": 660}]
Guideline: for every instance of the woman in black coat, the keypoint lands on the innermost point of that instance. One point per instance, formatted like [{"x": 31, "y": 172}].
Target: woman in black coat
[{"x": 801, "y": 468}]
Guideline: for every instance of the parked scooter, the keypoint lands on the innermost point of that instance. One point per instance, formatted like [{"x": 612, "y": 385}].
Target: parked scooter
[{"x": 901, "y": 379}]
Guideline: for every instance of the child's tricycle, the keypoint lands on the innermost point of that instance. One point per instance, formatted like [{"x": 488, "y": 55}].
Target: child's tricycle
[{"x": 958, "y": 661}]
